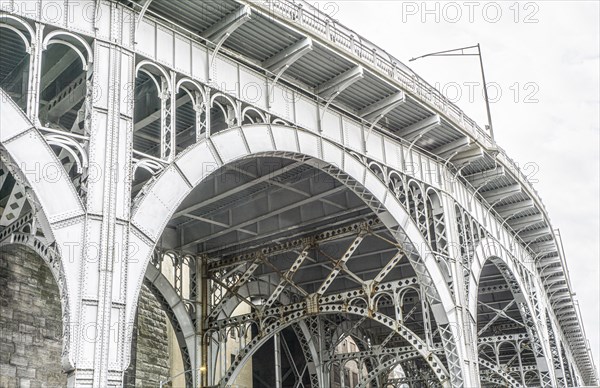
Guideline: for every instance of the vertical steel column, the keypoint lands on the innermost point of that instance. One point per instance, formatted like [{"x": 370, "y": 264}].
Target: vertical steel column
[
  {"x": 223, "y": 353},
  {"x": 574, "y": 375},
  {"x": 201, "y": 314},
  {"x": 466, "y": 325},
  {"x": 360, "y": 364},
  {"x": 426, "y": 319},
  {"x": 497, "y": 354},
  {"x": 535, "y": 331},
  {"x": 555, "y": 354},
  {"x": 316, "y": 328},
  {"x": 100, "y": 345},
  {"x": 35, "y": 69},
  {"x": 561, "y": 375},
  {"x": 199, "y": 109},
  {"x": 108, "y": 232},
  {"x": 542, "y": 330},
  {"x": 277, "y": 353},
  {"x": 167, "y": 127},
  {"x": 521, "y": 371},
  {"x": 207, "y": 106}
]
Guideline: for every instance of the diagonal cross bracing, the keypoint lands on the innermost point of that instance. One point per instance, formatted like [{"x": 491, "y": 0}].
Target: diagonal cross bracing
[
  {"x": 287, "y": 277},
  {"x": 338, "y": 266}
]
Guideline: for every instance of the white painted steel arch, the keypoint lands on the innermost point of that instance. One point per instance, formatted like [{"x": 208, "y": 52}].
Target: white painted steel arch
[
  {"x": 177, "y": 308},
  {"x": 162, "y": 197},
  {"x": 31, "y": 160}
]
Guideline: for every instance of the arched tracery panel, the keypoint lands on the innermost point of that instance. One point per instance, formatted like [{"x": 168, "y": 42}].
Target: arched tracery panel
[
  {"x": 65, "y": 93},
  {"x": 223, "y": 113},
  {"x": 251, "y": 115},
  {"x": 436, "y": 223},
  {"x": 155, "y": 96},
  {"x": 65, "y": 85},
  {"x": 17, "y": 38},
  {"x": 192, "y": 115}
]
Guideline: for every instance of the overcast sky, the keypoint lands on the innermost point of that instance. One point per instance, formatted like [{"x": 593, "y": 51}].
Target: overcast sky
[{"x": 543, "y": 60}]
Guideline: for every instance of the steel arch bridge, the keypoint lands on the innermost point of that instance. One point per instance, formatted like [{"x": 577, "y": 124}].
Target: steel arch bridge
[{"x": 272, "y": 177}]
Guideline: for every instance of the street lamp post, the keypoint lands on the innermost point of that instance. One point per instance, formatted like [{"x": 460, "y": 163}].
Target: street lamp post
[
  {"x": 162, "y": 383},
  {"x": 460, "y": 52}
]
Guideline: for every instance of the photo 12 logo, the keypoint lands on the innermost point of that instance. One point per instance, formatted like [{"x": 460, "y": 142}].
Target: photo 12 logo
[
  {"x": 469, "y": 11},
  {"x": 470, "y": 91}
]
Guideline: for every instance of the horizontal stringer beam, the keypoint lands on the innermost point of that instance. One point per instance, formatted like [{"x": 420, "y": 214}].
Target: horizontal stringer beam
[
  {"x": 377, "y": 110},
  {"x": 485, "y": 177},
  {"x": 228, "y": 25},
  {"x": 513, "y": 209},
  {"x": 496, "y": 195},
  {"x": 279, "y": 62},
  {"x": 420, "y": 128},
  {"x": 220, "y": 31},
  {"x": 460, "y": 152},
  {"x": 332, "y": 88},
  {"x": 296, "y": 244}
]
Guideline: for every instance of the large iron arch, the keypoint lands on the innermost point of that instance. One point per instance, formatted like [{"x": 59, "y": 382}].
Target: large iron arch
[
  {"x": 159, "y": 199},
  {"x": 253, "y": 288},
  {"x": 176, "y": 312},
  {"x": 29, "y": 158},
  {"x": 33, "y": 163},
  {"x": 299, "y": 315}
]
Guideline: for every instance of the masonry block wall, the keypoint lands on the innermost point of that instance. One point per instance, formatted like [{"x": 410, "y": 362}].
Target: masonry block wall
[
  {"x": 30, "y": 322},
  {"x": 150, "y": 348},
  {"x": 31, "y": 328}
]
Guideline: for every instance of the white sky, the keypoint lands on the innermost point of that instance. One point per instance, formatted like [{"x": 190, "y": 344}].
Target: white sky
[{"x": 551, "y": 49}]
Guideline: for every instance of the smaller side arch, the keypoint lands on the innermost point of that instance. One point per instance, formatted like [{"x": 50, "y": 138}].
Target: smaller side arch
[
  {"x": 177, "y": 313},
  {"x": 4, "y": 18},
  {"x": 163, "y": 72},
  {"x": 513, "y": 273},
  {"x": 52, "y": 37},
  {"x": 25, "y": 40}
]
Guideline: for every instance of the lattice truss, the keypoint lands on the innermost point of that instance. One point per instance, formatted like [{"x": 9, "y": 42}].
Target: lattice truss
[
  {"x": 388, "y": 313},
  {"x": 509, "y": 343}
]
